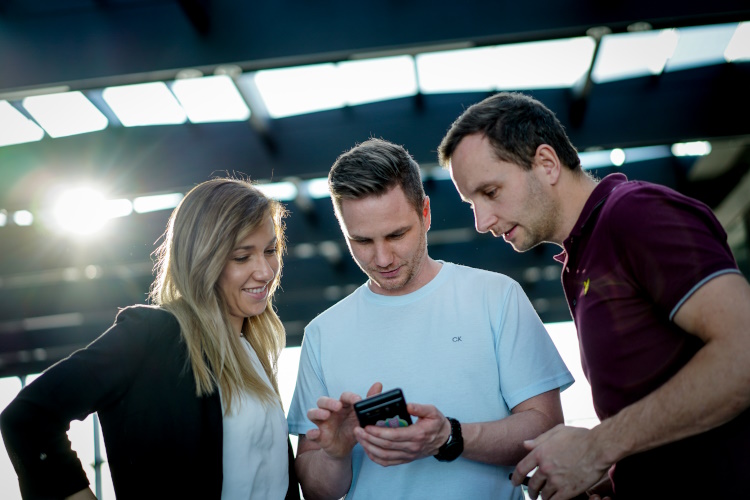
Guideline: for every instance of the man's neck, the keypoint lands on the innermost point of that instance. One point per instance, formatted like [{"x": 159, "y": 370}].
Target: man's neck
[{"x": 574, "y": 192}]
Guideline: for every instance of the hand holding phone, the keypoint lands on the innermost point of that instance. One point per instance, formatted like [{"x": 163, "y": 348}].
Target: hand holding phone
[{"x": 387, "y": 409}]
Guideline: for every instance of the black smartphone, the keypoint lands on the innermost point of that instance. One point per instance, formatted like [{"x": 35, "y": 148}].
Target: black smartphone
[{"x": 387, "y": 409}]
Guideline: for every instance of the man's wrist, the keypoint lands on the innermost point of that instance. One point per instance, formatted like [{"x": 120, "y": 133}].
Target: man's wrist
[
  {"x": 615, "y": 450},
  {"x": 454, "y": 446}
]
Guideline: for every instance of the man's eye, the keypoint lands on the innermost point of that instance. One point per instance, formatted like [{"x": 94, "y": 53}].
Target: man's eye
[{"x": 271, "y": 251}]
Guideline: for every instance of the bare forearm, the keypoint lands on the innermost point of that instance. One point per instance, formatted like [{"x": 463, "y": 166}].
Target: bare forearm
[
  {"x": 709, "y": 391},
  {"x": 323, "y": 477},
  {"x": 501, "y": 442}
]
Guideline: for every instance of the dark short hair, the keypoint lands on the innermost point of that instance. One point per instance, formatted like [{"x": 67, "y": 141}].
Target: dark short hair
[
  {"x": 515, "y": 125},
  {"x": 371, "y": 169}
]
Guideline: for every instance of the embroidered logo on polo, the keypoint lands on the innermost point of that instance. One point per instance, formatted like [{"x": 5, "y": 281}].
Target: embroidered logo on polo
[{"x": 586, "y": 286}]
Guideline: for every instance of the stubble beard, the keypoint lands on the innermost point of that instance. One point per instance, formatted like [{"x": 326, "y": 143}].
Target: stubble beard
[
  {"x": 544, "y": 216},
  {"x": 413, "y": 266}
]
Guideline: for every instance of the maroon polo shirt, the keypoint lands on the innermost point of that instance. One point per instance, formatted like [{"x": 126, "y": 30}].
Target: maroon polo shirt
[{"x": 637, "y": 252}]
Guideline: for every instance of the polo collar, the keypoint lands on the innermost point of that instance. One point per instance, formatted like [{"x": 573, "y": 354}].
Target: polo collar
[{"x": 598, "y": 196}]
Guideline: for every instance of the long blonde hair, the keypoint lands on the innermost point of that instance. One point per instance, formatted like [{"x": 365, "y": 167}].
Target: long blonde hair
[{"x": 201, "y": 234}]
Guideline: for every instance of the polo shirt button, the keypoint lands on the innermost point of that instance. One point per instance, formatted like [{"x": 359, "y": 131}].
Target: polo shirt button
[
  {"x": 43, "y": 456},
  {"x": 574, "y": 302}
]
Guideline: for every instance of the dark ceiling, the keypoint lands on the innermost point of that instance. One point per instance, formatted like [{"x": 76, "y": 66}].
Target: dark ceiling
[{"x": 57, "y": 295}]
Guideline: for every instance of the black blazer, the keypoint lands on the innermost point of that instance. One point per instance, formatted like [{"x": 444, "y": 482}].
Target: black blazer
[{"x": 162, "y": 441}]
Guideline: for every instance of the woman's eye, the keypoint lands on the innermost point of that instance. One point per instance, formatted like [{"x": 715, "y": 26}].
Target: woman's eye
[{"x": 242, "y": 258}]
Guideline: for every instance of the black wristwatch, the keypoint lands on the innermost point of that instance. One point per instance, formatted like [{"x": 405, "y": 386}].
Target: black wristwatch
[{"x": 455, "y": 444}]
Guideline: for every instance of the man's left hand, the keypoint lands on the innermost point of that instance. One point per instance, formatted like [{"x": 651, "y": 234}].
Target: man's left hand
[
  {"x": 394, "y": 446},
  {"x": 568, "y": 463}
]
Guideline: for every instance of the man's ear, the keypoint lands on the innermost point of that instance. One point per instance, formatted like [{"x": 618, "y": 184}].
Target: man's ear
[
  {"x": 426, "y": 215},
  {"x": 548, "y": 162}
]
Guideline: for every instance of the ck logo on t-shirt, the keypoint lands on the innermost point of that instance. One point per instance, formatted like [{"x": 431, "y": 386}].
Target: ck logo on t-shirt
[{"x": 457, "y": 339}]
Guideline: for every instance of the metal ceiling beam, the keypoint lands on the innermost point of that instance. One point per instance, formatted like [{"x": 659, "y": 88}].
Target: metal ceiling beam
[
  {"x": 137, "y": 39},
  {"x": 679, "y": 106}
]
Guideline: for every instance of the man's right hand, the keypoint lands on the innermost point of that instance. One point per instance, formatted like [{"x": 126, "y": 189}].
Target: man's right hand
[{"x": 336, "y": 422}]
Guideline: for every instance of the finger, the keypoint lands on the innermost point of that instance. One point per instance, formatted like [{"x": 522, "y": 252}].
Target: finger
[
  {"x": 537, "y": 483},
  {"x": 526, "y": 465},
  {"x": 388, "y": 440},
  {"x": 349, "y": 398},
  {"x": 530, "y": 444},
  {"x": 318, "y": 415},
  {"x": 385, "y": 462},
  {"x": 423, "y": 411},
  {"x": 384, "y": 456},
  {"x": 329, "y": 403},
  {"x": 548, "y": 492},
  {"x": 376, "y": 388},
  {"x": 313, "y": 435}
]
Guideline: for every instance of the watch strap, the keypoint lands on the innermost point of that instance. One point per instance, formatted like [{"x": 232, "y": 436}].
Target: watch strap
[{"x": 453, "y": 448}]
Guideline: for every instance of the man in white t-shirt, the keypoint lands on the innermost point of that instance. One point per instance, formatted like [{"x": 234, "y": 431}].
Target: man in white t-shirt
[{"x": 464, "y": 343}]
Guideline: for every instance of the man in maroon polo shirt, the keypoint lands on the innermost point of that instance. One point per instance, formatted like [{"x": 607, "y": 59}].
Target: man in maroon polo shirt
[{"x": 661, "y": 309}]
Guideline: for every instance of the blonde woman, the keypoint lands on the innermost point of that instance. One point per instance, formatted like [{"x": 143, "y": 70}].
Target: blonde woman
[{"x": 185, "y": 389}]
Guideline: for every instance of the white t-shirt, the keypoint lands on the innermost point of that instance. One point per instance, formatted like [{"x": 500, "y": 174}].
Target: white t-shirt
[
  {"x": 255, "y": 458},
  {"x": 468, "y": 342}
]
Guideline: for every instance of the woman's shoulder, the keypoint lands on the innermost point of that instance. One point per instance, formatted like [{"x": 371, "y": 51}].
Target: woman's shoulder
[
  {"x": 144, "y": 312},
  {"x": 145, "y": 315}
]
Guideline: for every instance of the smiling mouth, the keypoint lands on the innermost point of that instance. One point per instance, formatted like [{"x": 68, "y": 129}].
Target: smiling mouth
[
  {"x": 507, "y": 233},
  {"x": 255, "y": 290}
]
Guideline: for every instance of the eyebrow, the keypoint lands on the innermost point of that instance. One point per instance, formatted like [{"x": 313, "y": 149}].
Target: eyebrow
[
  {"x": 480, "y": 188},
  {"x": 400, "y": 230},
  {"x": 250, "y": 247}
]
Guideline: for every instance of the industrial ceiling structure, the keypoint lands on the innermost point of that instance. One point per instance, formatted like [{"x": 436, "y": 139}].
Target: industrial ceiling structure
[{"x": 58, "y": 293}]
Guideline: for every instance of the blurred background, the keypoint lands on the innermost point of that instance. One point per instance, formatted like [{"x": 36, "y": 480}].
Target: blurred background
[{"x": 111, "y": 110}]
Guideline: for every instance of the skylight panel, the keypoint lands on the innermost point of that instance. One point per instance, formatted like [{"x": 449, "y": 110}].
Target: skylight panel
[
  {"x": 378, "y": 79},
  {"x": 301, "y": 89},
  {"x": 145, "y": 204},
  {"x": 696, "y": 148},
  {"x": 64, "y": 114},
  {"x": 701, "y": 46},
  {"x": 618, "y": 157},
  {"x": 738, "y": 48},
  {"x": 548, "y": 64},
  {"x": 211, "y": 99},
  {"x": 144, "y": 104},
  {"x": 318, "y": 188},
  {"x": 466, "y": 70},
  {"x": 631, "y": 55},
  {"x": 15, "y": 128},
  {"x": 281, "y": 191}
]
